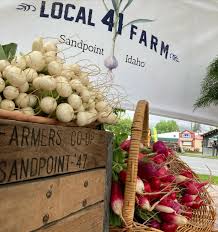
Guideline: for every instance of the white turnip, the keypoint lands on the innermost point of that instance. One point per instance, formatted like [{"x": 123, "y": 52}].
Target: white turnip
[
  {"x": 28, "y": 111},
  {"x": 7, "y": 105},
  {"x": 3, "y": 65},
  {"x": 22, "y": 100},
  {"x": 32, "y": 100},
  {"x": 64, "y": 112},
  {"x": 63, "y": 88},
  {"x": 55, "y": 68},
  {"x": 48, "y": 105},
  {"x": 50, "y": 46},
  {"x": 30, "y": 74},
  {"x": 10, "y": 92},
  {"x": 75, "y": 101},
  {"x": 19, "y": 62},
  {"x": 15, "y": 75},
  {"x": 24, "y": 88},
  {"x": 2, "y": 84},
  {"x": 37, "y": 44},
  {"x": 35, "y": 60}
]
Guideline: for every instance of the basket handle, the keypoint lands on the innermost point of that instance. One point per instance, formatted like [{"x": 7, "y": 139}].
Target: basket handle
[{"x": 139, "y": 133}]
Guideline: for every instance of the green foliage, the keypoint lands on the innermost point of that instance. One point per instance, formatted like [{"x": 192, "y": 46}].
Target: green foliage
[
  {"x": 209, "y": 87},
  {"x": 196, "y": 127},
  {"x": 166, "y": 126},
  {"x": 121, "y": 132},
  {"x": 8, "y": 51}
]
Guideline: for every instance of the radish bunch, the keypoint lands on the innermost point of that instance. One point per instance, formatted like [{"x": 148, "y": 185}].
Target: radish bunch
[
  {"x": 165, "y": 199},
  {"x": 41, "y": 83}
]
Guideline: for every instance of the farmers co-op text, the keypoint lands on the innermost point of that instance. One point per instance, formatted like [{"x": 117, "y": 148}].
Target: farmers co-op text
[{"x": 80, "y": 14}]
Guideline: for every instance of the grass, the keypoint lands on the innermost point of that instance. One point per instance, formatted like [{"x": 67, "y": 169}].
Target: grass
[
  {"x": 214, "y": 179},
  {"x": 198, "y": 155}
]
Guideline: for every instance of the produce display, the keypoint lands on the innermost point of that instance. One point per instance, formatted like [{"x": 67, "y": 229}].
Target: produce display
[
  {"x": 164, "y": 200},
  {"x": 41, "y": 83}
]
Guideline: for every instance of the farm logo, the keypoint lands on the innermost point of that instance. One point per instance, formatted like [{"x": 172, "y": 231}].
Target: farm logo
[{"x": 114, "y": 18}]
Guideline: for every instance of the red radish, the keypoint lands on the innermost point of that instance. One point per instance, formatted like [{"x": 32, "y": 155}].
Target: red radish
[
  {"x": 116, "y": 198},
  {"x": 163, "y": 172},
  {"x": 193, "y": 187},
  {"x": 159, "y": 158},
  {"x": 166, "y": 187},
  {"x": 155, "y": 184},
  {"x": 188, "y": 198},
  {"x": 139, "y": 184},
  {"x": 154, "y": 224},
  {"x": 125, "y": 145},
  {"x": 169, "y": 227},
  {"x": 171, "y": 203},
  {"x": 147, "y": 187},
  {"x": 146, "y": 170},
  {"x": 140, "y": 189},
  {"x": 187, "y": 173},
  {"x": 179, "y": 220},
  {"x": 168, "y": 178},
  {"x": 181, "y": 179},
  {"x": 173, "y": 196},
  {"x": 160, "y": 148},
  {"x": 164, "y": 209},
  {"x": 144, "y": 202},
  {"x": 196, "y": 204}
]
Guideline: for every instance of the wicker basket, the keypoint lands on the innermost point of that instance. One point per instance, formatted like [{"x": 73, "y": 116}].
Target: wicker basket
[{"x": 203, "y": 218}]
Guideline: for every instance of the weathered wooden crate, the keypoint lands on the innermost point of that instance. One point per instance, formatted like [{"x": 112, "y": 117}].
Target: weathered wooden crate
[{"x": 53, "y": 178}]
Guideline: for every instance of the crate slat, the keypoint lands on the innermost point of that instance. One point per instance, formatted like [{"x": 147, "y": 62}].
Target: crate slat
[{"x": 28, "y": 206}]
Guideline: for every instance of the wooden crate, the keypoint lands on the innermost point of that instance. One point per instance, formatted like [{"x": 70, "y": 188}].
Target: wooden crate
[{"x": 53, "y": 178}]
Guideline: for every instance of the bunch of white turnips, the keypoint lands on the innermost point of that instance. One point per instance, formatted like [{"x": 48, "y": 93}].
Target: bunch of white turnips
[{"x": 40, "y": 83}]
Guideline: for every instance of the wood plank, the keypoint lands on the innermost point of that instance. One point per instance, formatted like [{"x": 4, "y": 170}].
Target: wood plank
[
  {"x": 108, "y": 185},
  {"x": 26, "y": 207},
  {"x": 29, "y": 150},
  {"x": 89, "y": 219}
]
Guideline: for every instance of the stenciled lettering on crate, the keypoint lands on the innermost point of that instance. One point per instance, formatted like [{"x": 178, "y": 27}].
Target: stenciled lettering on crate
[{"x": 29, "y": 151}]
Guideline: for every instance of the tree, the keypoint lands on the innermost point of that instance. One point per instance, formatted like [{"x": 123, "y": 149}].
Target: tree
[
  {"x": 166, "y": 126},
  {"x": 196, "y": 127}
]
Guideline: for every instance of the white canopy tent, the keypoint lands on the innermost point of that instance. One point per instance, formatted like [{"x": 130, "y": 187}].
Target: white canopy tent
[{"x": 175, "y": 49}]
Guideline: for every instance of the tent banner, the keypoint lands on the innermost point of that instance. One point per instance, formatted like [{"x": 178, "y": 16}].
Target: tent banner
[{"x": 163, "y": 48}]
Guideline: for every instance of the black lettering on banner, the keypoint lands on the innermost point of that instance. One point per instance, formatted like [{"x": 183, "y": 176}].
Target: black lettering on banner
[
  {"x": 90, "y": 23},
  {"x": 108, "y": 20},
  {"x": 33, "y": 172},
  {"x": 25, "y": 135},
  {"x": 42, "y": 10},
  {"x": 13, "y": 171},
  {"x": 42, "y": 163},
  {"x": 3, "y": 164},
  {"x": 57, "y": 10},
  {"x": 14, "y": 137},
  {"x": 66, "y": 13},
  {"x": 132, "y": 31},
  {"x": 43, "y": 137},
  {"x": 164, "y": 49},
  {"x": 154, "y": 42},
  {"x": 50, "y": 165},
  {"x": 81, "y": 15},
  {"x": 24, "y": 167},
  {"x": 58, "y": 140},
  {"x": 51, "y": 137},
  {"x": 61, "y": 164},
  {"x": 63, "y": 38},
  {"x": 35, "y": 138},
  {"x": 143, "y": 38}
]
